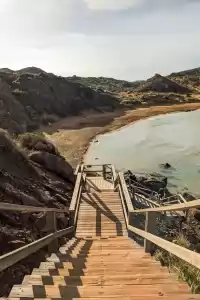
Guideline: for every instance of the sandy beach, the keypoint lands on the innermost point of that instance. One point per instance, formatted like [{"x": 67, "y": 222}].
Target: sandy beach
[{"x": 73, "y": 135}]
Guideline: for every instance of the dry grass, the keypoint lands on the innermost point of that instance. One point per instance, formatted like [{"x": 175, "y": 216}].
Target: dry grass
[{"x": 184, "y": 270}]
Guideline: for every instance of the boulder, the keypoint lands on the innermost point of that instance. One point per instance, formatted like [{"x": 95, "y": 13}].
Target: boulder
[
  {"x": 55, "y": 164},
  {"x": 154, "y": 184},
  {"x": 166, "y": 166}
]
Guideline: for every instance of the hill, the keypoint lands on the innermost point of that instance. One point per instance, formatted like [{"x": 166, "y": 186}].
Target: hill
[
  {"x": 190, "y": 78},
  {"x": 161, "y": 84},
  {"x": 157, "y": 90},
  {"x": 31, "y": 97},
  {"x": 106, "y": 84}
]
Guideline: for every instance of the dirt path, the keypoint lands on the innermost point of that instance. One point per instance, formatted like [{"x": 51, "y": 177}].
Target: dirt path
[{"x": 73, "y": 135}]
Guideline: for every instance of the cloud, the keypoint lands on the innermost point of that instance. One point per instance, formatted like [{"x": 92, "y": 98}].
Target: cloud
[
  {"x": 114, "y": 5},
  {"x": 142, "y": 5},
  {"x": 119, "y": 38}
]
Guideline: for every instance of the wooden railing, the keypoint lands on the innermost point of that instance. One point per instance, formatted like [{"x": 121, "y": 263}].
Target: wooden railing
[
  {"x": 149, "y": 234},
  {"x": 105, "y": 170},
  {"x": 74, "y": 206},
  {"x": 51, "y": 239}
]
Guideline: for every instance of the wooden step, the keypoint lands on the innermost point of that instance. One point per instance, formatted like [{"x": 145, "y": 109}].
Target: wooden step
[
  {"x": 100, "y": 271},
  {"x": 83, "y": 264},
  {"x": 68, "y": 292},
  {"x": 148, "y": 297},
  {"x": 100, "y": 280}
]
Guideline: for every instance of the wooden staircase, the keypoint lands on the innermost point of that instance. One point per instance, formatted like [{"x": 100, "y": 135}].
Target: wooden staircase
[
  {"x": 101, "y": 262},
  {"x": 101, "y": 268}
]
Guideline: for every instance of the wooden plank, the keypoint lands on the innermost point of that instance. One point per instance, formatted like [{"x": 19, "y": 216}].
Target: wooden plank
[
  {"x": 174, "y": 207},
  {"x": 69, "y": 292},
  {"x": 189, "y": 256},
  {"x": 98, "y": 280},
  {"x": 24, "y": 208},
  {"x": 13, "y": 257}
]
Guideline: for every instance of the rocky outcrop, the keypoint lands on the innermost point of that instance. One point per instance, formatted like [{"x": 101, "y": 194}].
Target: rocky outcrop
[
  {"x": 44, "y": 180},
  {"x": 33, "y": 141},
  {"x": 54, "y": 164}
]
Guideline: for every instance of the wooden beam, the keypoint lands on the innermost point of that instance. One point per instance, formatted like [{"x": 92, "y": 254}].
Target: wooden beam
[
  {"x": 77, "y": 170},
  {"x": 182, "y": 198},
  {"x": 24, "y": 208},
  {"x": 114, "y": 173},
  {"x": 13, "y": 257},
  {"x": 123, "y": 205},
  {"x": 189, "y": 256},
  {"x": 174, "y": 207},
  {"x": 51, "y": 223},
  {"x": 75, "y": 193},
  {"x": 150, "y": 226}
]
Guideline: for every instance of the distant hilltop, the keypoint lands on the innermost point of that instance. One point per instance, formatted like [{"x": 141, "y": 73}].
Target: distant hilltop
[{"x": 31, "y": 97}]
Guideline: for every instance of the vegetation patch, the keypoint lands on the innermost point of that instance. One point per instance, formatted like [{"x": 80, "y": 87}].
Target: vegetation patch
[
  {"x": 184, "y": 270},
  {"x": 37, "y": 142}
]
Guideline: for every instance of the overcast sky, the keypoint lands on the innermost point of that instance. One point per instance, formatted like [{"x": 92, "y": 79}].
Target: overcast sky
[{"x": 127, "y": 39}]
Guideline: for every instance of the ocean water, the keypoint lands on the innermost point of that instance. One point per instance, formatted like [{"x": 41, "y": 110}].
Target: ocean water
[{"x": 143, "y": 146}]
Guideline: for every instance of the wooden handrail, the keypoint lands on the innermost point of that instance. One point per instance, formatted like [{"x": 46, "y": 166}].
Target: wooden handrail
[
  {"x": 125, "y": 192},
  {"x": 77, "y": 170},
  {"x": 189, "y": 256},
  {"x": 174, "y": 207},
  {"x": 78, "y": 202},
  {"x": 75, "y": 193},
  {"x": 25, "y": 208},
  {"x": 13, "y": 257}
]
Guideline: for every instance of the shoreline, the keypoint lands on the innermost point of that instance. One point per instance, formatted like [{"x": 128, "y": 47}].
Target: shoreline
[{"x": 74, "y": 135}]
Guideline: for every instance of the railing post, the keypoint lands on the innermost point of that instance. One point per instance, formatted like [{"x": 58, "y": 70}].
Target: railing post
[
  {"x": 130, "y": 222},
  {"x": 51, "y": 224},
  {"x": 71, "y": 218},
  {"x": 104, "y": 171},
  {"x": 150, "y": 226}
]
